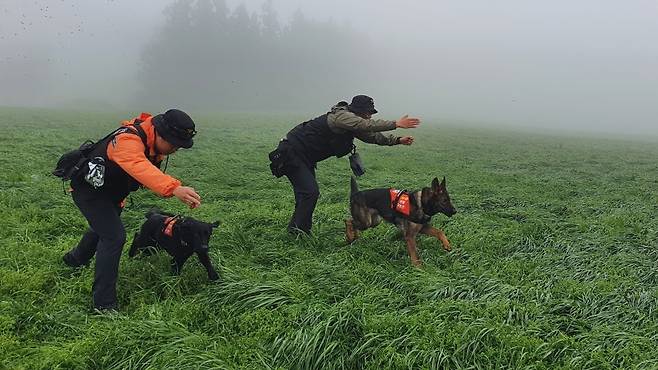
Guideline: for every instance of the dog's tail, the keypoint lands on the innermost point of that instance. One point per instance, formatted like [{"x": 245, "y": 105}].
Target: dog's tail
[{"x": 354, "y": 187}]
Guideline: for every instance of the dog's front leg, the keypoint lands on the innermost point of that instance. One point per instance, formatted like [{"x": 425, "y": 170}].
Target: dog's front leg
[
  {"x": 437, "y": 233},
  {"x": 204, "y": 258},
  {"x": 351, "y": 234},
  {"x": 177, "y": 263},
  {"x": 411, "y": 248}
]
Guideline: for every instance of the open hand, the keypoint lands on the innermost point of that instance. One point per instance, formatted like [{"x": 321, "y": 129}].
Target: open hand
[
  {"x": 188, "y": 196},
  {"x": 407, "y": 122}
]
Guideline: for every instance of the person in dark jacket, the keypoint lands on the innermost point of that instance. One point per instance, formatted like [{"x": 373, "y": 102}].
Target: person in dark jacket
[
  {"x": 332, "y": 134},
  {"x": 122, "y": 163}
]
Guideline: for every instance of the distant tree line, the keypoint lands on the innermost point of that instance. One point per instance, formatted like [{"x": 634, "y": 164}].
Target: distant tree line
[{"x": 208, "y": 56}]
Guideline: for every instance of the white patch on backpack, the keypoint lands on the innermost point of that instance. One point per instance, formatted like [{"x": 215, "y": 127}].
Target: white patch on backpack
[{"x": 96, "y": 174}]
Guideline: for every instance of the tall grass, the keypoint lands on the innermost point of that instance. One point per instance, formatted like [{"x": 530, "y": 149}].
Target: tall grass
[{"x": 554, "y": 262}]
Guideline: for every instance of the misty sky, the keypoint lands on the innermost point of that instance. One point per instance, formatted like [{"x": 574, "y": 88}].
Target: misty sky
[{"x": 585, "y": 64}]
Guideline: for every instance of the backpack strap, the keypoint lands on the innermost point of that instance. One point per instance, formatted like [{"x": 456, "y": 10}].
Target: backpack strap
[
  {"x": 141, "y": 133},
  {"x": 134, "y": 129},
  {"x": 110, "y": 136}
]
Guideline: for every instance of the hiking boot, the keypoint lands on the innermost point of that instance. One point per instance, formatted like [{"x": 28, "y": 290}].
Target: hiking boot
[{"x": 70, "y": 261}]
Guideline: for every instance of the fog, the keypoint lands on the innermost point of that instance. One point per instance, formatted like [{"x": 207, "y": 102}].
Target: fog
[{"x": 587, "y": 65}]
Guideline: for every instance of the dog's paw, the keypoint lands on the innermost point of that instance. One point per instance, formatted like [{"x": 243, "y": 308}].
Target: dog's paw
[
  {"x": 213, "y": 277},
  {"x": 351, "y": 238}
]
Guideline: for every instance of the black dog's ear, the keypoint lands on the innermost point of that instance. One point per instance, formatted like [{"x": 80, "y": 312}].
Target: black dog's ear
[
  {"x": 443, "y": 182},
  {"x": 214, "y": 224},
  {"x": 435, "y": 184}
]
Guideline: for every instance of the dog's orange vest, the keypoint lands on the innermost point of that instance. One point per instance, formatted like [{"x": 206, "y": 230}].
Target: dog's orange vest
[
  {"x": 169, "y": 226},
  {"x": 400, "y": 201}
]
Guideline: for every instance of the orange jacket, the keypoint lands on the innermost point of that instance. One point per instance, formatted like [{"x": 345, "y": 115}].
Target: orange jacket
[{"x": 128, "y": 152}]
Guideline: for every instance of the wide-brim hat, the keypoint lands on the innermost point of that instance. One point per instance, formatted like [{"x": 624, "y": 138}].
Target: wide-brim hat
[
  {"x": 175, "y": 127},
  {"x": 362, "y": 104}
]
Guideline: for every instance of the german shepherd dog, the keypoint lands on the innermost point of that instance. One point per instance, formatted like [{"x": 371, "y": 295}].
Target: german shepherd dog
[
  {"x": 179, "y": 236},
  {"x": 411, "y": 212}
]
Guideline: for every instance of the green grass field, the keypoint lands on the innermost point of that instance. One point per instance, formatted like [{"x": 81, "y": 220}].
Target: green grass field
[{"x": 554, "y": 261}]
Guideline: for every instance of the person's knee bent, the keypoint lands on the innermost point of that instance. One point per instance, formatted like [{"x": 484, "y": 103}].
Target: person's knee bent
[
  {"x": 311, "y": 195},
  {"x": 116, "y": 240},
  {"x": 121, "y": 237}
]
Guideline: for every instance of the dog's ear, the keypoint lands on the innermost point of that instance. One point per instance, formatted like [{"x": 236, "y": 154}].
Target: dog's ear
[
  {"x": 214, "y": 224},
  {"x": 435, "y": 185},
  {"x": 443, "y": 182}
]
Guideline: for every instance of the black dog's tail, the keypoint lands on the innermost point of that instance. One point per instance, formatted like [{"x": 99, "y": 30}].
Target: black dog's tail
[{"x": 354, "y": 187}]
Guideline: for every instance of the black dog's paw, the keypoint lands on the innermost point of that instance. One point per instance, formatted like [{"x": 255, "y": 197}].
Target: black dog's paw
[{"x": 213, "y": 277}]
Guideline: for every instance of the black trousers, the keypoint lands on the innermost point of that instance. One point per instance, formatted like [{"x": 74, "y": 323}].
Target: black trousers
[
  {"x": 104, "y": 238},
  {"x": 307, "y": 192}
]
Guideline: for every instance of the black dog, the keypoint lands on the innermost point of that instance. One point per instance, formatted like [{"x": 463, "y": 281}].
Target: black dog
[
  {"x": 409, "y": 211},
  {"x": 179, "y": 236}
]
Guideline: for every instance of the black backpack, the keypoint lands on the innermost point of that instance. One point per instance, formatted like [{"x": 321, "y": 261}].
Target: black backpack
[{"x": 70, "y": 163}]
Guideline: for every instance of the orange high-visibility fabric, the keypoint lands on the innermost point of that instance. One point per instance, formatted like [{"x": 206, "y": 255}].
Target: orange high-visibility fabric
[
  {"x": 403, "y": 205},
  {"x": 128, "y": 151},
  {"x": 169, "y": 228}
]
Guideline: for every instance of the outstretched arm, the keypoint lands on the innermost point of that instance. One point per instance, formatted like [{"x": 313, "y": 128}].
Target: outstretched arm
[
  {"x": 380, "y": 139},
  {"x": 377, "y": 138},
  {"x": 349, "y": 121},
  {"x": 127, "y": 151}
]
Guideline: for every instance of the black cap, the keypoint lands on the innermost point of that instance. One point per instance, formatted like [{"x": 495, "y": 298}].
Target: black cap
[
  {"x": 362, "y": 104},
  {"x": 176, "y": 127}
]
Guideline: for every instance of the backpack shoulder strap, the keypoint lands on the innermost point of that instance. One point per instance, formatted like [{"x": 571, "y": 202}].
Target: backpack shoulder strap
[
  {"x": 134, "y": 129},
  {"x": 139, "y": 131},
  {"x": 111, "y": 134}
]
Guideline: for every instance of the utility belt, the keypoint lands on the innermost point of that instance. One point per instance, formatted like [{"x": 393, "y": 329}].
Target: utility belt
[
  {"x": 285, "y": 156},
  {"x": 280, "y": 158}
]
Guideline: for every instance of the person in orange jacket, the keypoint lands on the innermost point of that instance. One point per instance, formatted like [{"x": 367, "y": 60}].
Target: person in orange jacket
[{"x": 120, "y": 164}]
